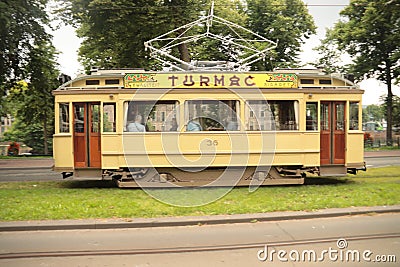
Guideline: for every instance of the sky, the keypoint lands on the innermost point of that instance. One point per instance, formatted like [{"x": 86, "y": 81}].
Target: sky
[{"x": 325, "y": 13}]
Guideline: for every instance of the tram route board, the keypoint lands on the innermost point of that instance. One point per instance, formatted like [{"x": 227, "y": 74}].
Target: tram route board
[{"x": 211, "y": 80}]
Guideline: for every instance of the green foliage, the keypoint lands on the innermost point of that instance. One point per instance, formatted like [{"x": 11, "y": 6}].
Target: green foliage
[
  {"x": 330, "y": 55},
  {"x": 27, "y": 71},
  {"x": 395, "y": 109},
  {"x": 31, "y": 134},
  {"x": 373, "y": 113},
  {"x": 22, "y": 26},
  {"x": 370, "y": 34},
  {"x": 114, "y": 32},
  {"x": 210, "y": 49},
  {"x": 286, "y": 22}
]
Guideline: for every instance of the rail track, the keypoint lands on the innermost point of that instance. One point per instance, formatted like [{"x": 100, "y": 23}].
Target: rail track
[{"x": 166, "y": 250}]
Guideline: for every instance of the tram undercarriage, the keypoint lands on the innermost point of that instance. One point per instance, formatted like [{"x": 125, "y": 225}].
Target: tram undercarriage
[
  {"x": 174, "y": 177},
  {"x": 192, "y": 177}
]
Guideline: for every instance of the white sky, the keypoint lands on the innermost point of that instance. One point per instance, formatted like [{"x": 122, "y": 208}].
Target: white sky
[{"x": 325, "y": 15}]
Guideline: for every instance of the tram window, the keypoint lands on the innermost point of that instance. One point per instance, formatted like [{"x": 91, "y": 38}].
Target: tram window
[
  {"x": 339, "y": 116},
  {"x": 79, "y": 112},
  {"x": 325, "y": 117},
  {"x": 112, "y": 81},
  {"x": 272, "y": 115},
  {"x": 307, "y": 81},
  {"x": 325, "y": 81},
  {"x": 151, "y": 116},
  {"x": 354, "y": 112},
  {"x": 95, "y": 118},
  {"x": 212, "y": 115},
  {"x": 64, "y": 117},
  {"x": 311, "y": 116},
  {"x": 109, "y": 117},
  {"x": 92, "y": 82}
]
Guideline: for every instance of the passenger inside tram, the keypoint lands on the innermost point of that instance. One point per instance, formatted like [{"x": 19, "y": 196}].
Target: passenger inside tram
[{"x": 136, "y": 126}]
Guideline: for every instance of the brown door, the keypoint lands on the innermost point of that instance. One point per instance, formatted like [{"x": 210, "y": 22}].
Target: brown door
[
  {"x": 332, "y": 135},
  {"x": 87, "y": 152}
]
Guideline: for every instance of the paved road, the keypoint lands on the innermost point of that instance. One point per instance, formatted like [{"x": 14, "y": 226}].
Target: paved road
[
  {"x": 27, "y": 170},
  {"x": 29, "y": 174},
  {"x": 335, "y": 242},
  {"x": 376, "y": 162}
]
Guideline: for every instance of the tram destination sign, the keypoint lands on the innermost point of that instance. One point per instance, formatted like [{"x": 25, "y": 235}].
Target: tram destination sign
[{"x": 211, "y": 80}]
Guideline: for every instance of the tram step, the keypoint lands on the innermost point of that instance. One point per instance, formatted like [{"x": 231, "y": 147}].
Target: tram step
[{"x": 333, "y": 170}]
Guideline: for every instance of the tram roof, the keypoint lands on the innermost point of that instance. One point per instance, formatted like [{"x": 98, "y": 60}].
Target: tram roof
[{"x": 277, "y": 79}]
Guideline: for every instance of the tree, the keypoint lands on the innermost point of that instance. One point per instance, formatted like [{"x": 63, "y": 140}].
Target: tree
[
  {"x": 330, "y": 55},
  {"x": 28, "y": 69},
  {"x": 22, "y": 25},
  {"x": 370, "y": 34},
  {"x": 286, "y": 22},
  {"x": 373, "y": 113},
  {"x": 114, "y": 31},
  {"x": 395, "y": 110},
  {"x": 215, "y": 50},
  {"x": 39, "y": 102}
]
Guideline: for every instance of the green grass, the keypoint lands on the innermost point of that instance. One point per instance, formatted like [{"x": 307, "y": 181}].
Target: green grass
[
  {"x": 382, "y": 148},
  {"x": 80, "y": 200}
]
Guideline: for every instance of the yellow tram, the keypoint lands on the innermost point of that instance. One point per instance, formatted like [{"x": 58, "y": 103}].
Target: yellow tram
[{"x": 186, "y": 128}]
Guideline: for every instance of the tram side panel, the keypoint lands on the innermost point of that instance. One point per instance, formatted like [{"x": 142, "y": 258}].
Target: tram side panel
[
  {"x": 62, "y": 139},
  {"x": 292, "y": 148}
]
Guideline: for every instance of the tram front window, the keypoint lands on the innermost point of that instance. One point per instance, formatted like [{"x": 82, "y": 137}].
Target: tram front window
[
  {"x": 211, "y": 115},
  {"x": 151, "y": 116}
]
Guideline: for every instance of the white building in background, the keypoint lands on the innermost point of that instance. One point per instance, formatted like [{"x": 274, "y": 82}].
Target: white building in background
[{"x": 5, "y": 124}]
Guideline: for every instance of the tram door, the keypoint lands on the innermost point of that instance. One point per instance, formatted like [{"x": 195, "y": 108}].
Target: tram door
[
  {"x": 87, "y": 152},
  {"x": 333, "y": 138}
]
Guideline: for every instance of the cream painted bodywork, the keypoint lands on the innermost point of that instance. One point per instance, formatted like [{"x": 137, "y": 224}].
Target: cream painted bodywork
[{"x": 279, "y": 148}]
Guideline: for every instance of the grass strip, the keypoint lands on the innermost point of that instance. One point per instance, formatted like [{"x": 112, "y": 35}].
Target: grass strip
[{"x": 83, "y": 200}]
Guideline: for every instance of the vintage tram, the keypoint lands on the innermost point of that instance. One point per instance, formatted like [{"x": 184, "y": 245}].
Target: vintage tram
[{"x": 187, "y": 127}]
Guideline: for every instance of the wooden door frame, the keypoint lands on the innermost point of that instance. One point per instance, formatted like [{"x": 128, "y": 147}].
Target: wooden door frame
[
  {"x": 333, "y": 146},
  {"x": 90, "y": 151}
]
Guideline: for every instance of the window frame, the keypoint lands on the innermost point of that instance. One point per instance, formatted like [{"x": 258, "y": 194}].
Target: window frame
[
  {"x": 152, "y": 116},
  {"x": 60, "y": 117},
  {"x": 200, "y": 122},
  {"x": 105, "y": 115},
  {"x": 270, "y": 115},
  {"x": 314, "y": 119},
  {"x": 357, "y": 117}
]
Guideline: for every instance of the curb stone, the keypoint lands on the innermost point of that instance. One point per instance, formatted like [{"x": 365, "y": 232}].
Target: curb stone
[{"x": 191, "y": 220}]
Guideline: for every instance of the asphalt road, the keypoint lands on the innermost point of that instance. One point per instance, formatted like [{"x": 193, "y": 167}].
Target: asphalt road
[
  {"x": 342, "y": 241},
  {"x": 376, "y": 162},
  {"x": 29, "y": 174}
]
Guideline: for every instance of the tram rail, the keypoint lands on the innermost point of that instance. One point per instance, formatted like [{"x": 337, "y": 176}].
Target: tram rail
[{"x": 193, "y": 249}]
